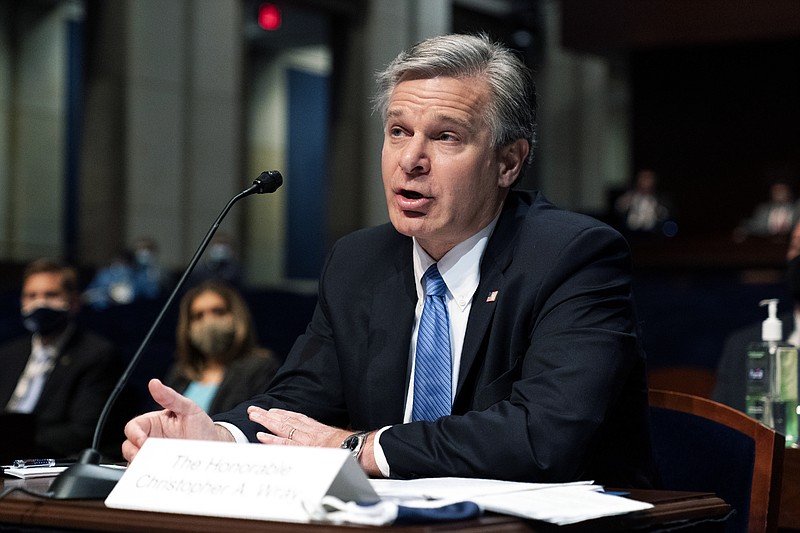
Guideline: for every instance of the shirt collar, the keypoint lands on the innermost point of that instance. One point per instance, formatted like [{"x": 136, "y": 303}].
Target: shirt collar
[{"x": 460, "y": 267}]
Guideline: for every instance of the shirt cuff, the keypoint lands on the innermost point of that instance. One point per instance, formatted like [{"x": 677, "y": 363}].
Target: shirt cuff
[
  {"x": 238, "y": 434},
  {"x": 380, "y": 458}
]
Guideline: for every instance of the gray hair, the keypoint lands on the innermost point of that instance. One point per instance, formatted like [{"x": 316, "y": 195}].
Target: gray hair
[{"x": 511, "y": 113}]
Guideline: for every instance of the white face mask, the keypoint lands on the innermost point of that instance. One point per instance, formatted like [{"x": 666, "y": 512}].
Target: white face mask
[
  {"x": 213, "y": 336},
  {"x": 144, "y": 257},
  {"x": 220, "y": 252}
]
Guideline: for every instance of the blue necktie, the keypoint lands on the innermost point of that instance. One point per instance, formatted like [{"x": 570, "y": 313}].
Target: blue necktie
[{"x": 432, "y": 370}]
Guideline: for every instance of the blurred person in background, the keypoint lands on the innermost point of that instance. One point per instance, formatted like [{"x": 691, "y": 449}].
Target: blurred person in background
[
  {"x": 641, "y": 208},
  {"x": 219, "y": 262},
  {"x": 218, "y": 362},
  {"x": 131, "y": 275},
  {"x": 776, "y": 216},
  {"x": 60, "y": 373},
  {"x": 148, "y": 276}
]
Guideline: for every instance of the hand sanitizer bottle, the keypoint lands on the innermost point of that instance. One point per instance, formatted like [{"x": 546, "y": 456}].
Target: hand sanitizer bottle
[
  {"x": 760, "y": 356},
  {"x": 772, "y": 378}
]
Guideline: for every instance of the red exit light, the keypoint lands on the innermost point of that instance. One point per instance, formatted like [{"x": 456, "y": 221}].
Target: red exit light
[{"x": 269, "y": 17}]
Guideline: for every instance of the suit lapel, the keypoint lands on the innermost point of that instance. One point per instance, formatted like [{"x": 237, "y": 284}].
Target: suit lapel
[
  {"x": 61, "y": 369},
  {"x": 496, "y": 259},
  {"x": 391, "y": 321},
  {"x": 14, "y": 362}
]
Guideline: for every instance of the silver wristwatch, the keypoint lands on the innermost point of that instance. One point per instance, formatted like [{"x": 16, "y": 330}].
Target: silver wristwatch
[{"x": 355, "y": 443}]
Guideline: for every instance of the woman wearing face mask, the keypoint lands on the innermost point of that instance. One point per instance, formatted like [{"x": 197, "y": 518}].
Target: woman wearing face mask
[{"x": 218, "y": 364}]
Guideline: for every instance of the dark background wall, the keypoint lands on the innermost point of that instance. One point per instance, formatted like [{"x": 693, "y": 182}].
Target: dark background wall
[
  {"x": 714, "y": 88},
  {"x": 718, "y": 123}
]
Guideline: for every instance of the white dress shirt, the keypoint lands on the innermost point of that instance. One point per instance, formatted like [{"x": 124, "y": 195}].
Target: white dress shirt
[
  {"x": 461, "y": 270},
  {"x": 40, "y": 364}
]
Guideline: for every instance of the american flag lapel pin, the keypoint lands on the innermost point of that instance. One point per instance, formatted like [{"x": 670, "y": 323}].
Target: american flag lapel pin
[{"x": 492, "y": 297}]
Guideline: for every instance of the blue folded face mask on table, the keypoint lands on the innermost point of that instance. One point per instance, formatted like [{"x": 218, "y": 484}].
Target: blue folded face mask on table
[{"x": 384, "y": 512}]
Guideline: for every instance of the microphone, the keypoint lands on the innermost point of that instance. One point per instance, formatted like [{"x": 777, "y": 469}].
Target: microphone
[{"x": 87, "y": 479}]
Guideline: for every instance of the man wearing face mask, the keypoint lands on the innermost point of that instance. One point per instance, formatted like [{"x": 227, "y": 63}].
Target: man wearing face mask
[
  {"x": 60, "y": 373},
  {"x": 730, "y": 386},
  {"x": 220, "y": 263}
]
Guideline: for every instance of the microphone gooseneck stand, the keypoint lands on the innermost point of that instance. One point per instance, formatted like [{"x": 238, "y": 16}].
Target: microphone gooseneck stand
[{"x": 87, "y": 479}]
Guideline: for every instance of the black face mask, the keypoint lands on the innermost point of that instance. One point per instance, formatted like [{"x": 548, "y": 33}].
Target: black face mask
[
  {"x": 793, "y": 278},
  {"x": 45, "y": 320}
]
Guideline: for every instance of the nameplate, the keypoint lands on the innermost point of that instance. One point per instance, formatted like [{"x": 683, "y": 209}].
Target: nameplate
[{"x": 255, "y": 481}]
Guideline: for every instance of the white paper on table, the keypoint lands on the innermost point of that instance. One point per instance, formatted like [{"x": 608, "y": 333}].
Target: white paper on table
[
  {"x": 559, "y": 503},
  {"x": 457, "y": 488},
  {"x": 34, "y": 472}
]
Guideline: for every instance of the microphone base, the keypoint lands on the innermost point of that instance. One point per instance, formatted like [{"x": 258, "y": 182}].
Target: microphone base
[{"x": 85, "y": 482}]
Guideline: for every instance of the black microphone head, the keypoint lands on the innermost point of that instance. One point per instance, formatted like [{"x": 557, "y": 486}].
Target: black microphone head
[{"x": 268, "y": 181}]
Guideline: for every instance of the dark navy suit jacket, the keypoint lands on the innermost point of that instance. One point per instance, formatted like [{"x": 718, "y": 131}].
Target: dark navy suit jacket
[
  {"x": 86, "y": 369},
  {"x": 552, "y": 382}
]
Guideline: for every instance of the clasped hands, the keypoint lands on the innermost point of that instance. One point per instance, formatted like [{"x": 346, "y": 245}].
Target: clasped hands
[{"x": 184, "y": 419}]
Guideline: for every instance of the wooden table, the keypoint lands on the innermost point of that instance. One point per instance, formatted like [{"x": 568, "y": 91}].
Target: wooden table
[{"x": 23, "y": 510}]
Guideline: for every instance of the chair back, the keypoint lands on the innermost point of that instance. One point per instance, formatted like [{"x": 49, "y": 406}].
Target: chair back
[{"x": 700, "y": 445}]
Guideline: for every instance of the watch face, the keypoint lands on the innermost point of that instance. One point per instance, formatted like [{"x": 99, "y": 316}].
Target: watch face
[{"x": 350, "y": 442}]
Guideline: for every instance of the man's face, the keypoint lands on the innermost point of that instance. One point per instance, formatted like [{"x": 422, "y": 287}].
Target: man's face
[
  {"x": 443, "y": 181},
  {"x": 45, "y": 289}
]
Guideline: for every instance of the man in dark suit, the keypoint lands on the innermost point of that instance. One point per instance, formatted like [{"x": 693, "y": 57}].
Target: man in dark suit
[
  {"x": 545, "y": 378},
  {"x": 61, "y": 374}
]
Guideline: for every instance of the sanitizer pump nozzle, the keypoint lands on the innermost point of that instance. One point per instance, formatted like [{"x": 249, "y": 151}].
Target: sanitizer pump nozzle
[{"x": 772, "y": 327}]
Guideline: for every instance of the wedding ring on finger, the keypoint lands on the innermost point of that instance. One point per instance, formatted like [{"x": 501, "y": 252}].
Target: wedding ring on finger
[{"x": 291, "y": 433}]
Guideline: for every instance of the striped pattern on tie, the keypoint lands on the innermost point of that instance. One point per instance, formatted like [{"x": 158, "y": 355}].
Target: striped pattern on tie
[{"x": 432, "y": 371}]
